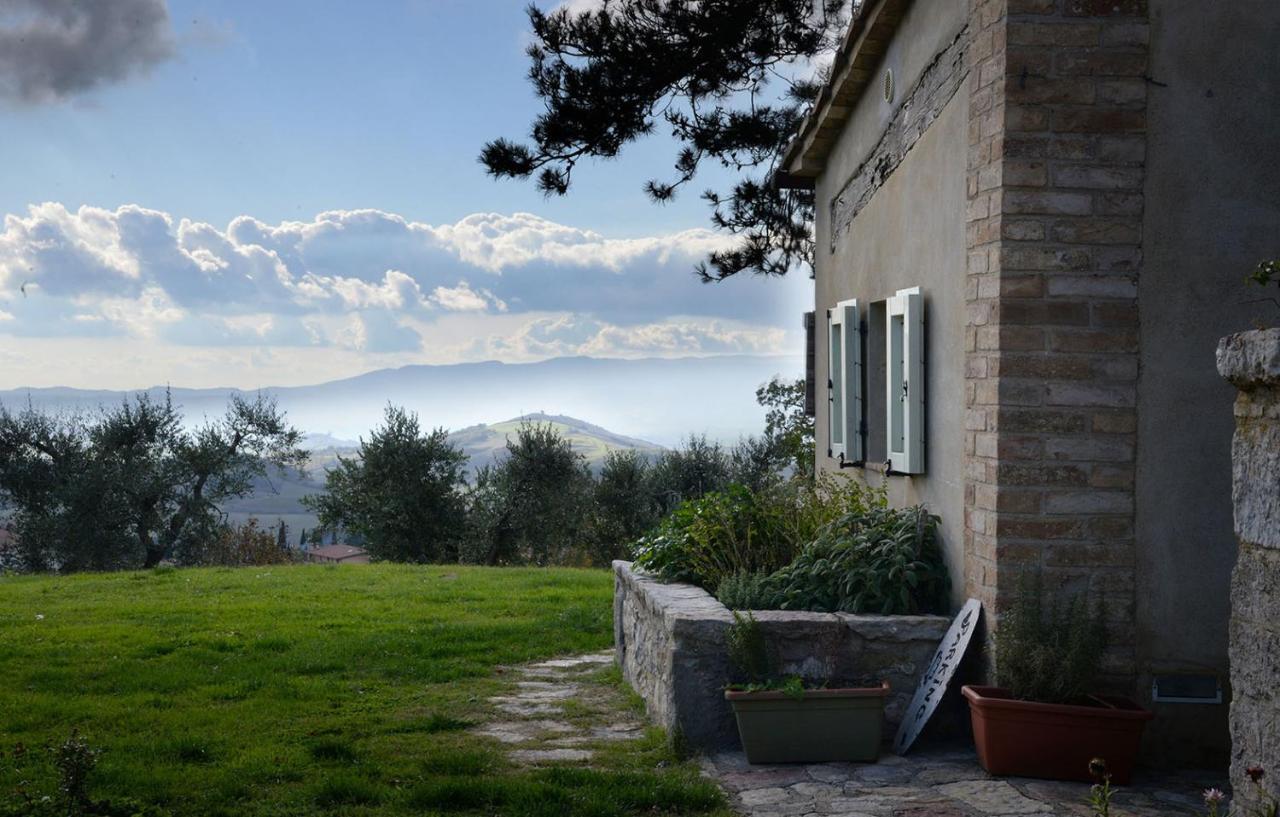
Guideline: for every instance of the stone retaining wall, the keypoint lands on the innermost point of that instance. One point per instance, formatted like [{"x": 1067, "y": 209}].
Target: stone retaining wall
[
  {"x": 670, "y": 642},
  {"x": 1251, "y": 361}
]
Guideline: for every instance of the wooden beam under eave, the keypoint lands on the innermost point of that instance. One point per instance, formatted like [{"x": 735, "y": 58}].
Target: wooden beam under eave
[{"x": 783, "y": 180}]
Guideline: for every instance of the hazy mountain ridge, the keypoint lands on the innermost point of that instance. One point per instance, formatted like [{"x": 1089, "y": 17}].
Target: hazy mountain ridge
[
  {"x": 484, "y": 444},
  {"x": 658, "y": 399}
]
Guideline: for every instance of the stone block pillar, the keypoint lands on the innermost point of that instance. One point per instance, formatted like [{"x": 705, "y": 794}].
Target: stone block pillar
[{"x": 1251, "y": 361}]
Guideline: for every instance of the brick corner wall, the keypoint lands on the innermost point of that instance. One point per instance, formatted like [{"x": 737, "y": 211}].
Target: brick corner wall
[{"x": 1057, "y": 138}]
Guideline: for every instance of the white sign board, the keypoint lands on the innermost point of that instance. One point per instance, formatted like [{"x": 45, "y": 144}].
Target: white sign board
[{"x": 938, "y": 676}]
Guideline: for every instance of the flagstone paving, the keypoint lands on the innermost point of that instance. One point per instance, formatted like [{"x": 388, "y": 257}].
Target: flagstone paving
[
  {"x": 934, "y": 783},
  {"x": 564, "y": 711},
  {"x": 560, "y": 711}
]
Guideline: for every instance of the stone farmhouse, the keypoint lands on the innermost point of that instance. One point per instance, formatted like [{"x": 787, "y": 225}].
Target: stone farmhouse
[{"x": 1034, "y": 220}]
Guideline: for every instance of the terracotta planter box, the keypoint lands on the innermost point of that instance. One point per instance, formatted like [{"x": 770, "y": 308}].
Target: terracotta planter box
[
  {"x": 1055, "y": 741},
  {"x": 823, "y": 725}
]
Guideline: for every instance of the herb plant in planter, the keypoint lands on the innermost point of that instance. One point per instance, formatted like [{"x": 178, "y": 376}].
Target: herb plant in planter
[
  {"x": 1045, "y": 720},
  {"x": 782, "y": 721}
]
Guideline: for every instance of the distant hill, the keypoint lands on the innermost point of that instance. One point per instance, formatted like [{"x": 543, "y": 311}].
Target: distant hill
[
  {"x": 281, "y": 496},
  {"x": 658, "y": 399},
  {"x": 486, "y": 444}
]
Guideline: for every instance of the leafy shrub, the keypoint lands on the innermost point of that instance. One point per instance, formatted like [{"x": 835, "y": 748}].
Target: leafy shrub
[
  {"x": 704, "y": 541},
  {"x": 878, "y": 560},
  {"x": 531, "y": 507},
  {"x": 624, "y": 505},
  {"x": 747, "y": 591},
  {"x": 1048, "y": 650},
  {"x": 757, "y": 463},
  {"x": 247, "y": 544},
  {"x": 697, "y": 468},
  {"x": 401, "y": 495},
  {"x": 736, "y": 532},
  {"x": 666, "y": 551}
]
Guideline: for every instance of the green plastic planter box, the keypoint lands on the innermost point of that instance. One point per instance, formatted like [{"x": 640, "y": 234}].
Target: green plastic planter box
[{"x": 823, "y": 725}]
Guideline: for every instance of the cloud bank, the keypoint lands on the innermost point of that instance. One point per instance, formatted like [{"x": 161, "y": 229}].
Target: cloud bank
[
  {"x": 51, "y": 50},
  {"x": 511, "y": 287}
]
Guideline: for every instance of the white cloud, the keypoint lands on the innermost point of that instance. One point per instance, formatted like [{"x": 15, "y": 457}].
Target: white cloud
[
  {"x": 372, "y": 283},
  {"x": 368, "y": 259},
  {"x": 569, "y": 335},
  {"x": 579, "y": 6},
  {"x": 463, "y": 298}
]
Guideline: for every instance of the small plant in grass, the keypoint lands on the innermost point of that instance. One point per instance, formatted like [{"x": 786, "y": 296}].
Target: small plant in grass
[
  {"x": 1265, "y": 273},
  {"x": 73, "y": 762},
  {"x": 1050, "y": 650},
  {"x": 75, "y": 759},
  {"x": 346, "y": 790},
  {"x": 334, "y": 750}
]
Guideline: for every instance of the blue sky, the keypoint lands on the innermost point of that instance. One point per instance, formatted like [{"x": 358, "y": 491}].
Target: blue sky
[{"x": 163, "y": 216}]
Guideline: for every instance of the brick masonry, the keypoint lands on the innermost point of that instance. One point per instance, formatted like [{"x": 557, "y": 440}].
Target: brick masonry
[
  {"x": 1057, "y": 123},
  {"x": 1251, "y": 361}
]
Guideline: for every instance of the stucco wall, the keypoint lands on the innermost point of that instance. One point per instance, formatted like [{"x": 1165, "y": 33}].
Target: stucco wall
[
  {"x": 911, "y": 233},
  {"x": 1212, "y": 212}
]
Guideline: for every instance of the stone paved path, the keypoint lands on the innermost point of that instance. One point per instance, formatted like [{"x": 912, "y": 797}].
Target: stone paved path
[
  {"x": 560, "y": 712},
  {"x": 932, "y": 783}
]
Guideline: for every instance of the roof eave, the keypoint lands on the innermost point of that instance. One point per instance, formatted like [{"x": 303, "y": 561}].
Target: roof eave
[{"x": 865, "y": 43}]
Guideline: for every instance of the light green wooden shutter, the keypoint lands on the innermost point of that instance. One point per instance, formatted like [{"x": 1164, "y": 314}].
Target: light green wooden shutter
[
  {"x": 844, "y": 382},
  {"x": 904, "y": 397}
]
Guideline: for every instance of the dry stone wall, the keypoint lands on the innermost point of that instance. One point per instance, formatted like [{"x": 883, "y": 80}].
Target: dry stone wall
[
  {"x": 670, "y": 643},
  {"x": 1251, "y": 362}
]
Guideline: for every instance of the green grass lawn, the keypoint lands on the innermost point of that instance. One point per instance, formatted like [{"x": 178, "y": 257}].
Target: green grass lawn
[{"x": 309, "y": 689}]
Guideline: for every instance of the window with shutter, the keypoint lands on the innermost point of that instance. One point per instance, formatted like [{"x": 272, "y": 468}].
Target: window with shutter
[
  {"x": 809, "y": 375},
  {"x": 904, "y": 381},
  {"x": 844, "y": 382}
]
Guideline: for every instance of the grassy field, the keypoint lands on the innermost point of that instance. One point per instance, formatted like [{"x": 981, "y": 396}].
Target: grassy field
[{"x": 309, "y": 689}]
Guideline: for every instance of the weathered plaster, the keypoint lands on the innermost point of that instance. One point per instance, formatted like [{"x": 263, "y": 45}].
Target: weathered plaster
[
  {"x": 922, "y": 104},
  {"x": 1212, "y": 209},
  {"x": 911, "y": 232}
]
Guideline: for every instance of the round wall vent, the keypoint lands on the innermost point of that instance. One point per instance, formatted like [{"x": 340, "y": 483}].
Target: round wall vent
[{"x": 888, "y": 85}]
